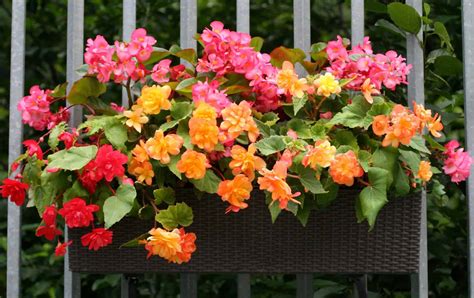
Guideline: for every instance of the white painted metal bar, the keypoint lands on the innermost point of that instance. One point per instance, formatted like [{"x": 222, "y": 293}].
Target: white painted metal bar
[
  {"x": 75, "y": 49},
  {"x": 188, "y": 28},
  {"x": 129, "y": 21},
  {"x": 468, "y": 55},
  {"x": 357, "y": 21},
  {"x": 17, "y": 82},
  {"x": 416, "y": 91},
  {"x": 243, "y": 285}
]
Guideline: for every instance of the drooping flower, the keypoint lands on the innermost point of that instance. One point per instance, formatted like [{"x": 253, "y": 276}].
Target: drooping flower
[
  {"x": 90, "y": 176},
  {"x": 235, "y": 192},
  {"x": 160, "y": 147},
  {"x": 68, "y": 138},
  {"x": 98, "y": 57},
  {"x": 49, "y": 215},
  {"x": 457, "y": 163},
  {"x": 143, "y": 171},
  {"x": 139, "y": 152},
  {"x": 344, "y": 168},
  {"x": 136, "y": 118},
  {"x": 380, "y": 125},
  {"x": 14, "y": 189},
  {"x": 35, "y": 108},
  {"x": 187, "y": 246},
  {"x": 327, "y": 85},
  {"x": 245, "y": 161},
  {"x": 424, "y": 171},
  {"x": 368, "y": 90},
  {"x": 163, "y": 243},
  {"x": 77, "y": 213},
  {"x": 288, "y": 80},
  {"x": 61, "y": 248},
  {"x": 238, "y": 119},
  {"x": 109, "y": 162},
  {"x": 320, "y": 155},
  {"x": 434, "y": 125},
  {"x": 33, "y": 148},
  {"x": 154, "y": 99},
  {"x": 274, "y": 181},
  {"x": 193, "y": 164},
  {"x": 49, "y": 232},
  {"x": 98, "y": 238},
  {"x": 161, "y": 70},
  {"x": 404, "y": 126}
]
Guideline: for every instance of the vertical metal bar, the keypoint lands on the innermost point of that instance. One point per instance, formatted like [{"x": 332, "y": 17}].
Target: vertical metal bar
[
  {"x": 17, "y": 82},
  {"x": 243, "y": 285},
  {"x": 468, "y": 55},
  {"x": 304, "y": 285},
  {"x": 188, "y": 25},
  {"x": 188, "y": 285},
  {"x": 75, "y": 48},
  {"x": 416, "y": 91},
  {"x": 243, "y": 16},
  {"x": 129, "y": 21},
  {"x": 128, "y": 286},
  {"x": 243, "y": 25},
  {"x": 302, "y": 28},
  {"x": 357, "y": 21},
  {"x": 360, "y": 287}
]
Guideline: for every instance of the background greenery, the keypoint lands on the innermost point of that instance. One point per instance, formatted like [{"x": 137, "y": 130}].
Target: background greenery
[{"x": 272, "y": 19}]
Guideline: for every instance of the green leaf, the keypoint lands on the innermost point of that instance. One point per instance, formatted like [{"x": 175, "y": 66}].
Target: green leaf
[
  {"x": 157, "y": 55},
  {"x": 60, "y": 90},
  {"x": 273, "y": 207},
  {"x": 165, "y": 194},
  {"x": 448, "y": 66},
  {"x": 115, "y": 131},
  {"x": 183, "y": 131},
  {"x": 169, "y": 125},
  {"x": 412, "y": 159},
  {"x": 134, "y": 242},
  {"x": 172, "y": 165},
  {"x": 119, "y": 205},
  {"x": 176, "y": 215},
  {"x": 364, "y": 158},
  {"x": 72, "y": 159},
  {"x": 317, "y": 48},
  {"x": 353, "y": 115},
  {"x": 299, "y": 102},
  {"x": 301, "y": 128},
  {"x": 256, "y": 43},
  {"x": 374, "y": 197},
  {"x": 390, "y": 26},
  {"x": 181, "y": 110},
  {"x": 281, "y": 54},
  {"x": 186, "y": 85},
  {"x": 185, "y": 54},
  {"x": 208, "y": 184},
  {"x": 84, "y": 88},
  {"x": 386, "y": 158},
  {"x": 443, "y": 34},
  {"x": 379, "y": 108},
  {"x": 76, "y": 191},
  {"x": 418, "y": 143},
  {"x": 405, "y": 17},
  {"x": 401, "y": 184},
  {"x": 325, "y": 199},
  {"x": 346, "y": 137},
  {"x": 271, "y": 145},
  {"x": 309, "y": 181},
  {"x": 53, "y": 139}
]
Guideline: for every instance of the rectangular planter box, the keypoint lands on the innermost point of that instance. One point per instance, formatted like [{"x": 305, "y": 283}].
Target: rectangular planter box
[{"x": 248, "y": 242}]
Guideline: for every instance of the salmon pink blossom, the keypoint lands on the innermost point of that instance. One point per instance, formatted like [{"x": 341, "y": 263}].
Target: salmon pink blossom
[{"x": 457, "y": 163}]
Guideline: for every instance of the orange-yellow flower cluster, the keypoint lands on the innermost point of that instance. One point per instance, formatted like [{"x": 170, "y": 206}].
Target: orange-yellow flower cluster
[
  {"x": 235, "y": 192},
  {"x": 236, "y": 120},
  {"x": 154, "y": 99},
  {"x": 344, "y": 168},
  {"x": 288, "y": 80},
  {"x": 320, "y": 155},
  {"x": 368, "y": 89},
  {"x": 175, "y": 246},
  {"x": 193, "y": 164},
  {"x": 424, "y": 171},
  {"x": 244, "y": 161},
  {"x": 160, "y": 147},
  {"x": 274, "y": 181},
  {"x": 203, "y": 127},
  {"x": 136, "y": 117},
  {"x": 327, "y": 85},
  {"x": 140, "y": 166},
  {"x": 402, "y": 125}
]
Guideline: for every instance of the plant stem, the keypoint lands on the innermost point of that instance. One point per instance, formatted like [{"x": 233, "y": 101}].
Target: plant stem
[{"x": 129, "y": 92}]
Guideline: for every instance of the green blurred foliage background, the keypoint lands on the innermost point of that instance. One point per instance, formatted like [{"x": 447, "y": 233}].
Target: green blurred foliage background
[{"x": 273, "y": 20}]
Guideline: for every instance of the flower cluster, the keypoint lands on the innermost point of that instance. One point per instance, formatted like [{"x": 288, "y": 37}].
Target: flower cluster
[{"x": 237, "y": 123}]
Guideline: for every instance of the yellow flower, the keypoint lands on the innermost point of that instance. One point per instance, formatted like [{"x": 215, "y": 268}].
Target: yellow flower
[
  {"x": 143, "y": 171},
  {"x": 368, "y": 89},
  {"x": 136, "y": 118},
  {"x": 154, "y": 99},
  {"x": 320, "y": 155},
  {"x": 193, "y": 164},
  {"x": 424, "y": 171},
  {"x": 163, "y": 243},
  {"x": 245, "y": 161},
  {"x": 205, "y": 111},
  {"x": 204, "y": 133},
  {"x": 236, "y": 120},
  {"x": 160, "y": 147},
  {"x": 139, "y": 152},
  {"x": 288, "y": 80},
  {"x": 235, "y": 192},
  {"x": 327, "y": 85}
]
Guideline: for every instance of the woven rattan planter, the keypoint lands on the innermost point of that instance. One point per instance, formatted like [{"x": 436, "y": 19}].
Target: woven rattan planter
[{"x": 332, "y": 241}]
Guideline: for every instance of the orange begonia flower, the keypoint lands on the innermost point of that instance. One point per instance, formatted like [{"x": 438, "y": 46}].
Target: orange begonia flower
[
  {"x": 163, "y": 243},
  {"x": 136, "y": 118},
  {"x": 327, "y": 85},
  {"x": 320, "y": 155},
  {"x": 187, "y": 246},
  {"x": 139, "y": 152},
  {"x": 244, "y": 161},
  {"x": 235, "y": 192},
  {"x": 288, "y": 80},
  {"x": 143, "y": 171},
  {"x": 154, "y": 99},
  {"x": 368, "y": 89},
  {"x": 380, "y": 125},
  {"x": 238, "y": 119},
  {"x": 424, "y": 171},
  {"x": 193, "y": 164},
  {"x": 344, "y": 168},
  {"x": 160, "y": 147},
  {"x": 205, "y": 111},
  {"x": 204, "y": 133},
  {"x": 434, "y": 125}
]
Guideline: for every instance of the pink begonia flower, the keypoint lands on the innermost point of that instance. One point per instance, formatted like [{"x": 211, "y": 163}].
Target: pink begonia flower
[
  {"x": 33, "y": 148},
  {"x": 35, "y": 108},
  {"x": 457, "y": 163},
  {"x": 160, "y": 71},
  {"x": 116, "y": 107},
  {"x": 326, "y": 115},
  {"x": 209, "y": 93}
]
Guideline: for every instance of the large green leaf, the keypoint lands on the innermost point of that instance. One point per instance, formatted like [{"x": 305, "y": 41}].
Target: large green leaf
[
  {"x": 271, "y": 145},
  {"x": 53, "y": 139},
  {"x": 256, "y": 43},
  {"x": 165, "y": 194},
  {"x": 299, "y": 102},
  {"x": 84, "y": 88},
  {"x": 208, "y": 184},
  {"x": 309, "y": 181},
  {"x": 412, "y": 159},
  {"x": 386, "y": 158},
  {"x": 76, "y": 191},
  {"x": 72, "y": 159},
  {"x": 374, "y": 197},
  {"x": 181, "y": 110},
  {"x": 281, "y": 54},
  {"x": 405, "y": 17},
  {"x": 353, "y": 115},
  {"x": 115, "y": 131},
  {"x": 119, "y": 205},
  {"x": 176, "y": 215}
]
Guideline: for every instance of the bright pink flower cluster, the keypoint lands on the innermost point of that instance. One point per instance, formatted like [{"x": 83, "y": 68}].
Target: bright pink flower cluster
[
  {"x": 209, "y": 93},
  {"x": 229, "y": 51},
  {"x": 360, "y": 64},
  {"x": 99, "y": 56},
  {"x": 107, "y": 164},
  {"x": 35, "y": 110},
  {"x": 457, "y": 163}
]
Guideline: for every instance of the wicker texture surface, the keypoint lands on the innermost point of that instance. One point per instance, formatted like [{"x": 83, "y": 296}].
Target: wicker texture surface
[{"x": 248, "y": 242}]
